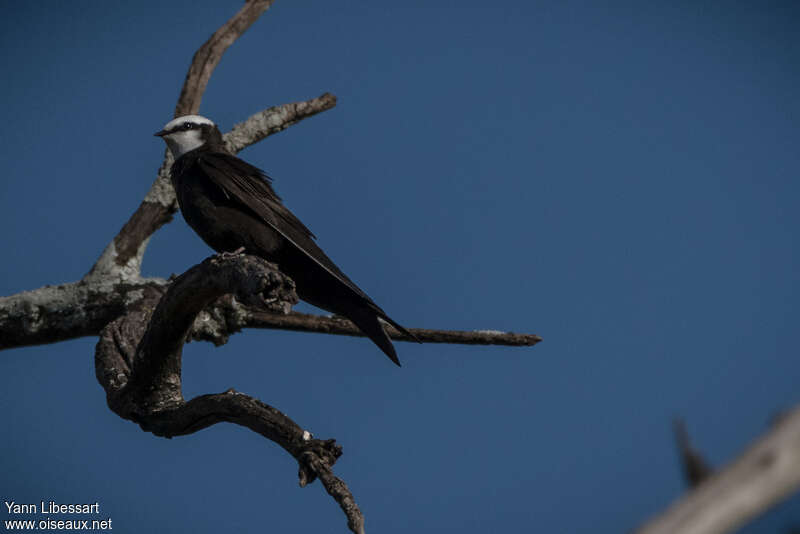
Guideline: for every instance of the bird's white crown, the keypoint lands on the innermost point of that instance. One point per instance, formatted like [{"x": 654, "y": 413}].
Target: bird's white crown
[{"x": 194, "y": 119}]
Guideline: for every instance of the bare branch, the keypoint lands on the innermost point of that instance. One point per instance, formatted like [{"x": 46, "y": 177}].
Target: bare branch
[
  {"x": 337, "y": 489},
  {"x": 122, "y": 257},
  {"x": 138, "y": 363},
  {"x": 765, "y": 474},
  {"x": 274, "y": 120},
  {"x": 207, "y": 57},
  {"x": 67, "y": 311},
  {"x": 340, "y": 326}
]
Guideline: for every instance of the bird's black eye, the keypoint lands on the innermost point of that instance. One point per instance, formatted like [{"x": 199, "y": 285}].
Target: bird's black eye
[{"x": 188, "y": 125}]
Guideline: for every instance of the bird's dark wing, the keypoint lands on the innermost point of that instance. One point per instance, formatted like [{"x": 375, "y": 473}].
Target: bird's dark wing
[{"x": 250, "y": 186}]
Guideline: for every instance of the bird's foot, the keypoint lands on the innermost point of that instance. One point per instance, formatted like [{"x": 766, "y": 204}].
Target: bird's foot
[{"x": 229, "y": 255}]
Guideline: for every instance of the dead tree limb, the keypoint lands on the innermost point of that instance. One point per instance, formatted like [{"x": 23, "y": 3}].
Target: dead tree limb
[
  {"x": 765, "y": 474},
  {"x": 207, "y": 57},
  {"x": 138, "y": 363},
  {"x": 68, "y": 311}
]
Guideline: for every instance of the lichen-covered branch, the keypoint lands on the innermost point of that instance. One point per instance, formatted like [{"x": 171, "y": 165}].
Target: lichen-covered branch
[
  {"x": 274, "y": 120},
  {"x": 765, "y": 474},
  {"x": 67, "y": 311},
  {"x": 138, "y": 363}
]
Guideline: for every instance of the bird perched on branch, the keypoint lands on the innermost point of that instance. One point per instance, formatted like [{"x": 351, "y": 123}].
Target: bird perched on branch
[{"x": 232, "y": 206}]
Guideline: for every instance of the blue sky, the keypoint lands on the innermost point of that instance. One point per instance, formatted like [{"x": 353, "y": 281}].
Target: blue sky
[{"x": 620, "y": 179}]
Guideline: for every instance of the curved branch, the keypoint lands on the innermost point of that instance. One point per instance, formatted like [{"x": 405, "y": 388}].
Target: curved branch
[
  {"x": 156, "y": 361},
  {"x": 337, "y": 489},
  {"x": 138, "y": 363},
  {"x": 207, "y": 57}
]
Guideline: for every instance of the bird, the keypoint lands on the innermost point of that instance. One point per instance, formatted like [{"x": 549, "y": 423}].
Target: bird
[{"x": 232, "y": 206}]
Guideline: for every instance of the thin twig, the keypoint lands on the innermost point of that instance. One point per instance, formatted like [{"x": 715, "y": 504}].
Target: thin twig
[
  {"x": 337, "y": 489},
  {"x": 340, "y": 326}
]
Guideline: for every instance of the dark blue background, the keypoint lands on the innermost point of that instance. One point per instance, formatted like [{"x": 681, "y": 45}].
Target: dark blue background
[{"x": 622, "y": 180}]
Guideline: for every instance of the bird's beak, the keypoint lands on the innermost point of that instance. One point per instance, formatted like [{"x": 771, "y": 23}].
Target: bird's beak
[{"x": 162, "y": 133}]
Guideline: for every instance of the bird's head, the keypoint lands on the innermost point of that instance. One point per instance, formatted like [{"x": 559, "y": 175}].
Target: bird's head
[{"x": 189, "y": 132}]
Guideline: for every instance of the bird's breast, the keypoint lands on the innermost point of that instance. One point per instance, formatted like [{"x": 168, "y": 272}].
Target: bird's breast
[{"x": 224, "y": 224}]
